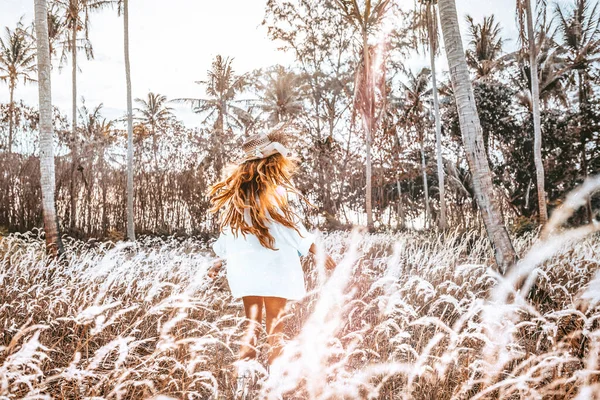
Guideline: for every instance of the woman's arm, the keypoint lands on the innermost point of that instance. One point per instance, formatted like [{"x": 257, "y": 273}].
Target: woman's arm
[
  {"x": 216, "y": 267},
  {"x": 329, "y": 263}
]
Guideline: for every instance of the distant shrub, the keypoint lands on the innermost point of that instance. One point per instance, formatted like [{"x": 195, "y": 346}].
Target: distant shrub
[{"x": 524, "y": 225}]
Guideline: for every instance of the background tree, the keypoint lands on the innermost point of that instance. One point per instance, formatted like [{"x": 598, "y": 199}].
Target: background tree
[
  {"x": 97, "y": 136},
  {"x": 154, "y": 114},
  {"x": 579, "y": 28},
  {"x": 368, "y": 76},
  {"x": 279, "y": 96},
  {"x": 76, "y": 18},
  {"x": 473, "y": 137},
  {"x": 58, "y": 34},
  {"x": 175, "y": 164},
  {"x": 525, "y": 13},
  {"x": 17, "y": 61},
  {"x": 130, "y": 216},
  {"x": 552, "y": 71},
  {"x": 427, "y": 27},
  {"x": 415, "y": 115},
  {"x": 223, "y": 87},
  {"x": 51, "y": 230},
  {"x": 318, "y": 36},
  {"x": 483, "y": 55}
]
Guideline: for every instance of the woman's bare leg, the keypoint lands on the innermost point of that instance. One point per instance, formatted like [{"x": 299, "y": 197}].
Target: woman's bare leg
[
  {"x": 253, "y": 306},
  {"x": 275, "y": 307}
]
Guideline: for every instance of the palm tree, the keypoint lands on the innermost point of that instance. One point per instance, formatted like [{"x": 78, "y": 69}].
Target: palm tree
[
  {"x": 130, "y": 219},
  {"x": 552, "y": 71},
  {"x": 428, "y": 27},
  {"x": 524, "y": 12},
  {"x": 17, "y": 61},
  {"x": 153, "y": 113},
  {"x": 580, "y": 31},
  {"x": 76, "y": 16},
  {"x": 280, "y": 98},
  {"x": 98, "y": 134},
  {"x": 486, "y": 47},
  {"x": 222, "y": 87},
  {"x": 57, "y": 30},
  {"x": 369, "y": 76},
  {"x": 415, "y": 114},
  {"x": 105, "y": 137},
  {"x": 47, "y": 177},
  {"x": 472, "y": 136},
  {"x": 579, "y": 28}
]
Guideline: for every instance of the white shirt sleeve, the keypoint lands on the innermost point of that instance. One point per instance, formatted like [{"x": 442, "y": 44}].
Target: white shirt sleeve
[
  {"x": 219, "y": 246},
  {"x": 300, "y": 239},
  {"x": 303, "y": 240}
]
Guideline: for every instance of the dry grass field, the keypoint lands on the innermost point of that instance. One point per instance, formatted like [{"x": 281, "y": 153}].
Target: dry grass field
[{"x": 404, "y": 316}]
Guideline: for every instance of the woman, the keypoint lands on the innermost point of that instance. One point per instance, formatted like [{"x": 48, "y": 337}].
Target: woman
[{"x": 262, "y": 238}]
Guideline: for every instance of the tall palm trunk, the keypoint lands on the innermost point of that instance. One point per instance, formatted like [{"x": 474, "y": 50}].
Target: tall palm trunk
[
  {"x": 582, "y": 97},
  {"x": 537, "y": 129},
  {"x": 218, "y": 137},
  {"x": 426, "y": 223},
  {"x": 11, "y": 190},
  {"x": 160, "y": 219},
  {"x": 368, "y": 123},
  {"x": 47, "y": 177},
  {"x": 400, "y": 211},
  {"x": 442, "y": 223},
  {"x": 130, "y": 220},
  {"x": 74, "y": 144},
  {"x": 11, "y": 110},
  {"x": 472, "y": 136},
  {"x": 104, "y": 216}
]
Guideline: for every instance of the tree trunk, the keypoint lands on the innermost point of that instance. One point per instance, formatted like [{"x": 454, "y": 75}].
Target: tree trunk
[
  {"x": 86, "y": 226},
  {"x": 442, "y": 222},
  {"x": 104, "y": 217},
  {"x": 11, "y": 189},
  {"x": 130, "y": 220},
  {"x": 74, "y": 151},
  {"x": 527, "y": 195},
  {"x": 158, "y": 178},
  {"x": 400, "y": 212},
  {"x": 425, "y": 186},
  {"x": 47, "y": 178},
  {"x": 472, "y": 137},
  {"x": 537, "y": 129},
  {"x": 583, "y": 139},
  {"x": 11, "y": 108},
  {"x": 368, "y": 123}
]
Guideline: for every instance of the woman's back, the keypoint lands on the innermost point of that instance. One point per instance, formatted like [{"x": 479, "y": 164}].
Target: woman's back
[{"x": 253, "y": 268}]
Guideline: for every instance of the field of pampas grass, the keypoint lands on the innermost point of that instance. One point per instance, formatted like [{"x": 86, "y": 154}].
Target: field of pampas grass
[{"x": 404, "y": 316}]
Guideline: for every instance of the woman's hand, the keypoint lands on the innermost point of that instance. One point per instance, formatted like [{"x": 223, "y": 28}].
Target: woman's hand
[
  {"x": 216, "y": 267},
  {"x": 329, "y": 263}
]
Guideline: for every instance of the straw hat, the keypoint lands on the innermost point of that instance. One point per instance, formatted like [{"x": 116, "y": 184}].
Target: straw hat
[{"x": 263, "y": 145}]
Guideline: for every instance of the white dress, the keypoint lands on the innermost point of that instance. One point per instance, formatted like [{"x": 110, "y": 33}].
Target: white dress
[{"x": 254, "y": 270}]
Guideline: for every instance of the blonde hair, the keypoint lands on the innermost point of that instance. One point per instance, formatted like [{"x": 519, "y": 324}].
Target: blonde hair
[{"x": 253, "y": 185}]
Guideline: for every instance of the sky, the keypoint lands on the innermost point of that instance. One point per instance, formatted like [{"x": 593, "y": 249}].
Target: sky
[{"x": 172, "y": 45}]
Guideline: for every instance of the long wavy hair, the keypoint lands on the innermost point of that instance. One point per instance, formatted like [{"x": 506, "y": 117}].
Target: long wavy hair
[{"x": 252, "y": 185}]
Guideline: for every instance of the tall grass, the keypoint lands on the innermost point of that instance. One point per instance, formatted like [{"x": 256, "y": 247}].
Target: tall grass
[{"x": 403, "y": 316}]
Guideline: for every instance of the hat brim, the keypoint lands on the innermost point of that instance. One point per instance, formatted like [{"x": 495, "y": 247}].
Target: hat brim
[{"x": 267, "y": 151}]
